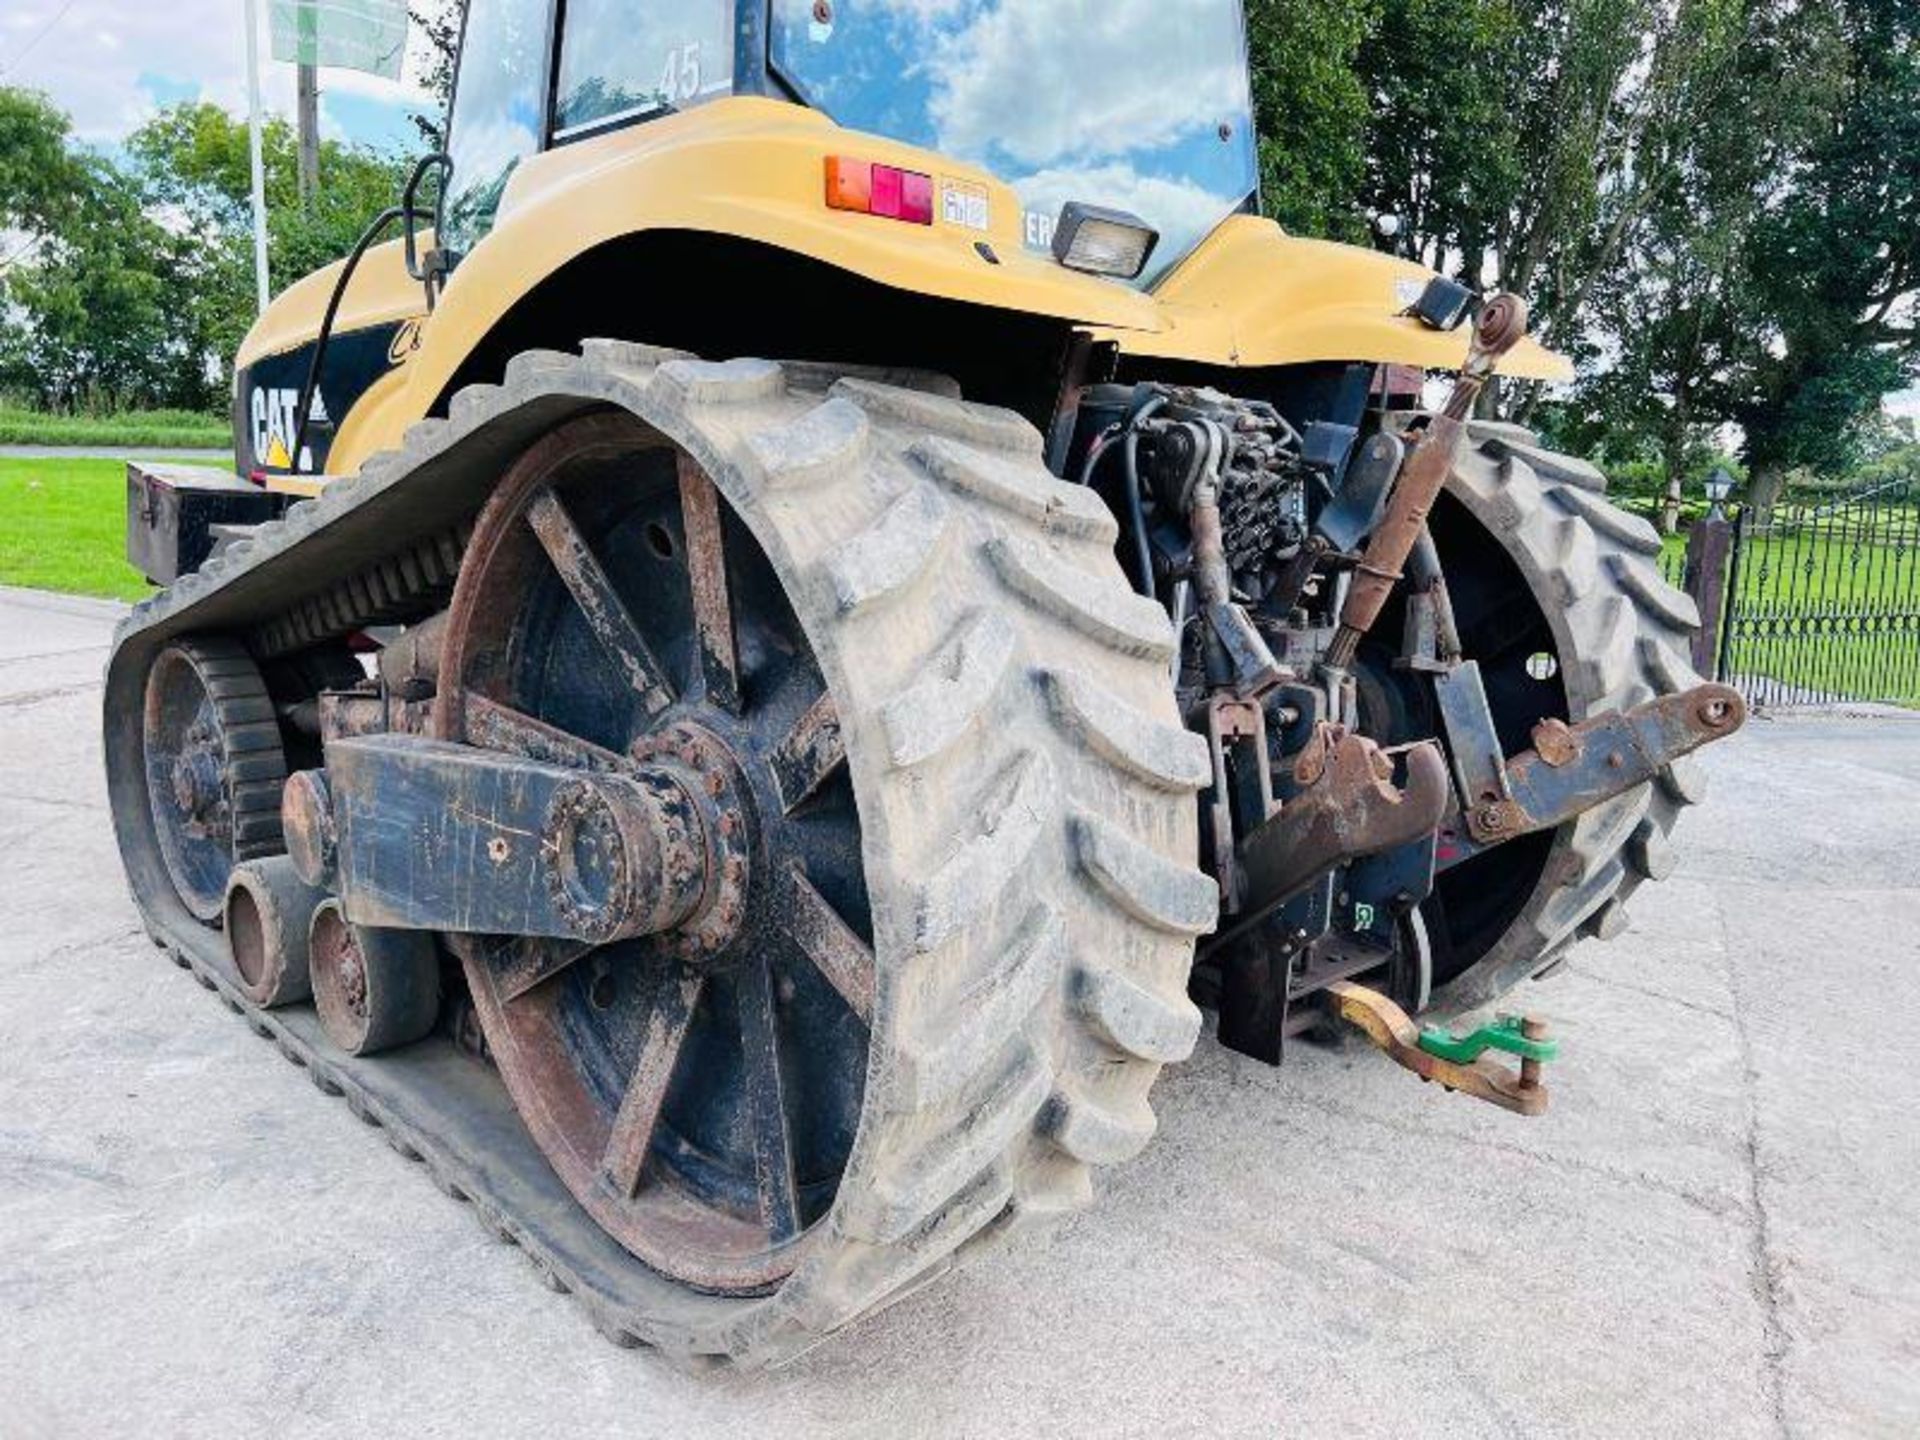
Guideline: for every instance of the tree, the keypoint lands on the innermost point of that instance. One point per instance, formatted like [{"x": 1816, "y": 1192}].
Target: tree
[
  {"x": 194, "y": 158},
  {"x": 1311, "y": 111},
  {"x": 1526, "y": 143},
  {"x": 440, "y": 23},
  {"x": 130, "y": 282},
  {"x": 100, "y": 305},
  {"x": 1835, "y": 264},
  {"x": 1442, "y": 144},
  {"x": 37, "y": 177},
  {"x": 1673, "y": 306},
  {"x": 193, "y": 164},
  {"x": 37, "y": 184}
]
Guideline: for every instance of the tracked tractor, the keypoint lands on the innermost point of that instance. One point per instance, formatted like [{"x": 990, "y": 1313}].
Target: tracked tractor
[{"x": 817, "y": 594}]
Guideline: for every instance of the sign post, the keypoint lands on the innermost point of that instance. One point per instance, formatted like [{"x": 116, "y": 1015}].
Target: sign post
[{"x": 369, "y": 35}]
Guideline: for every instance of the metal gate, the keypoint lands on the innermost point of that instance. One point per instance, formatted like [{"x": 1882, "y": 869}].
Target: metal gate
[{"x": 1822, "y": 602}]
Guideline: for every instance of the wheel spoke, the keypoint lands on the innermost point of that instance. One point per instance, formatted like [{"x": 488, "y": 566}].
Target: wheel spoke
[
  {"x": 809, "y": 754},
  {"x": 829, "y": 942},
  {"x": 632, "y": 1135},
  {"x": 606, "y": 613},
  {"x": 766, "y": 1098},
  {"x": 532, "y": 961},
  {"x": 493, "y": 726},
  {"x": 707, "y": 575}
]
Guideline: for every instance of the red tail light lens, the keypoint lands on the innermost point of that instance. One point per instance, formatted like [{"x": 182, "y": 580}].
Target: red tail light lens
[
  {"x": 916, "y": 198},
  {"x": 849, "y": 185},
  {"x": 884, "y": 190}
]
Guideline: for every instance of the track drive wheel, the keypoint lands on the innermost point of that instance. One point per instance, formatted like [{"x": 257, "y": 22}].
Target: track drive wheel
[
  {"x": 944, "y": 949},
  {"x": 214, "y": 766}
]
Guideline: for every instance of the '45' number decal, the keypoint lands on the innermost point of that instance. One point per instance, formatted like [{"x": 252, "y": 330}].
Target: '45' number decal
[{"x": 681, "y": 79}]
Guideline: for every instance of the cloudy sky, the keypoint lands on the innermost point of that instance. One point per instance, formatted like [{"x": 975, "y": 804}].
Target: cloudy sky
[{"x": 111, "y": 63}]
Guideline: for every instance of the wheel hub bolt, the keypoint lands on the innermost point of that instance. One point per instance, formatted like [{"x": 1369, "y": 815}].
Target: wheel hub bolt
[{"x": 196, "y": 782}]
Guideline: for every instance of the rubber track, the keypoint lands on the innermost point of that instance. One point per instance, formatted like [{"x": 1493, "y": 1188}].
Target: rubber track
[
  {"x": 1624, "y": 636},
  {"x": 1025, "y": 788}
]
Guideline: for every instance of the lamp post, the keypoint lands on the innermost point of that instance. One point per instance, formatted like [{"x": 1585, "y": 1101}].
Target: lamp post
[{"x": 1719, "y": 488}]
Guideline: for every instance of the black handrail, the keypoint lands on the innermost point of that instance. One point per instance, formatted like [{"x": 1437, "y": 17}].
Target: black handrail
[{"x": 431, "y": 271}]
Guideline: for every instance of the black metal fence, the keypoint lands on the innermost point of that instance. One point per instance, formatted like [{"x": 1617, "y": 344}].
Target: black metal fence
[{"x": 1821, "y": 601}]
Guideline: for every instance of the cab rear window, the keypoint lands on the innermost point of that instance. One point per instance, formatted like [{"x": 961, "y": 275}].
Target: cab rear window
[{"x": 620, "y": 61}]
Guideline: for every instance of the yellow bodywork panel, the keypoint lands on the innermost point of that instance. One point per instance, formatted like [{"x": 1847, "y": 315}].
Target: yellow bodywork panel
[
  {"x": 754, "y": 168},
  {"x": 745, "y": 167},
  {"x": 1253, "y": 295},
  {"x": 382, "y": 292}
]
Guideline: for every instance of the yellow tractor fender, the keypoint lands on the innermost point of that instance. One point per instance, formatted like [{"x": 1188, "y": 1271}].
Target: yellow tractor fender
[
  {"x": 1252, "y": 295},
  {"x": 749, "y": 168}
]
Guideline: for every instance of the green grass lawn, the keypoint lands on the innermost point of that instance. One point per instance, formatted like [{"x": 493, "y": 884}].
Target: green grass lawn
[
  {"x": 137, "y": 429},
  {"x": 63, "y": 527}
]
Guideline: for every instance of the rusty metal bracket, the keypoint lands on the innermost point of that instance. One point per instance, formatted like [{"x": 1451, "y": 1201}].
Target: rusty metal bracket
[
  {"x": 1484, "y": 1078},
  {"x": 1473, "y": 741},
  {"x": 1236, "y": 728},
  {"x": 1347, "y": 807},
  {"x": 1573, "y": 768},
  {"x": 1502, "y": 324},
  {"x": 435, "y": 836}
]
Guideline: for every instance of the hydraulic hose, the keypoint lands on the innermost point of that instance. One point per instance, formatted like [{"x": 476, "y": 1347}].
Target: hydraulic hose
[
  {"x": 372, "y": 233},
  {"x": 1136, "y": 507},
  {"x": 409, "y": 210}
]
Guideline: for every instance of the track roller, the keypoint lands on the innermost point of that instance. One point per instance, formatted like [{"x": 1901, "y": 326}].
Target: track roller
[
  {"x": 375, "y": 989},
  {"x": 269, "y": 910}
]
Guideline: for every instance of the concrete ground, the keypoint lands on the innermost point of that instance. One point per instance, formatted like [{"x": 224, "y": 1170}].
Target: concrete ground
[{"x": 1715, "y": 1231}]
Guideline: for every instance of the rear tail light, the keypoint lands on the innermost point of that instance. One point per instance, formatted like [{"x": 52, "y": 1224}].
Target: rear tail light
[{"x": 864, "y": 188}]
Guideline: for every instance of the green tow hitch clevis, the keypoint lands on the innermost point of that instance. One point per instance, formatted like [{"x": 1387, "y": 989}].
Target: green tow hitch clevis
[
  {"x": 1457, "y": 1063},
  {"x": 1511, "y": 1033}
]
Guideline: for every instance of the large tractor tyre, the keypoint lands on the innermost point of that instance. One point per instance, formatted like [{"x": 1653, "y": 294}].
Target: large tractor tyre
[
  {"x": 1561, "y": 600},
  {"x": 957, "y": 959}
]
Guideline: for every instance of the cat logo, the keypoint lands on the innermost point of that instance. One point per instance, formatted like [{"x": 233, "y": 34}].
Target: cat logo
[{"x": 276, "y": 422}]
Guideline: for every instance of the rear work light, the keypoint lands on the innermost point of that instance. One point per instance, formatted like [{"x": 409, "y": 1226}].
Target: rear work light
[
  {"x": 864, "y": 188},
  {"x": 1103, "y": 242}
]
